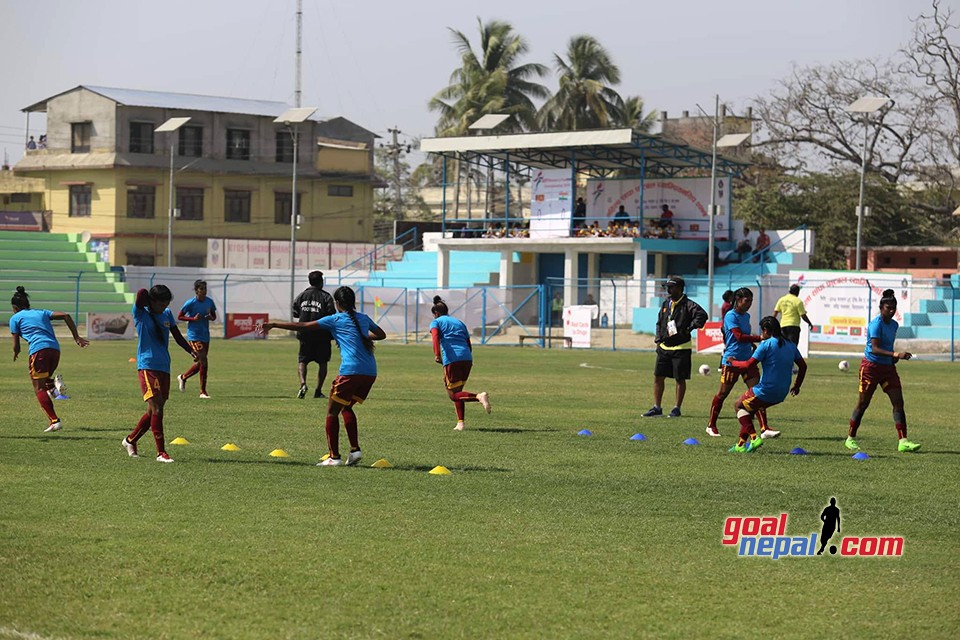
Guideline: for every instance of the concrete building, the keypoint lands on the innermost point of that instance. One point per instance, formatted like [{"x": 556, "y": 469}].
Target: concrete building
[
  {"x": 920, "y": 262},
  {"x": 105, "y": 171}
]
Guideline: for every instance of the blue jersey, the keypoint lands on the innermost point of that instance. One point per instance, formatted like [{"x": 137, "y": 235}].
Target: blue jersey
[
  {"x": 886, "y": 332},
  {"x": 33, "y": 325},
  {"x": 777, "y": 369},
  {"x": 355, "y": 360},
  {"x": 153, "y": 338},
  {"x": 734, "y": 350},
  {"x": 454, "y": 339},
  {"x": 198, "y": 330}
]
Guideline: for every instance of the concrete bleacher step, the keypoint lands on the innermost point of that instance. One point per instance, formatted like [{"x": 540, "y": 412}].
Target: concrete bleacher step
[
  {"x": 934, "y": 306},
  {"x": 917, "y": 319}
]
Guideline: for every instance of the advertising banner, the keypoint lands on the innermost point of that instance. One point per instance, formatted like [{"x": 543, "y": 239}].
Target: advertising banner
[
  {"x": 242, "y": 326},
  {"x": 550, "y": 206},
  {"x": 338, "y": 255},
  {"x": 258, "y": 254},
  {"x": 279, "y": 254},
  {"x": 21, "y": 220},
  {"x": 318, "y": 255},
  {"x": 110, "y": 326},
  {"x": 215, "y": 253},
  {"x": 577, "y": 323},
  {"x": 710, "y": 338},
  {"x": 841, "y": 303},
  {"x": 237, "y": 255}
]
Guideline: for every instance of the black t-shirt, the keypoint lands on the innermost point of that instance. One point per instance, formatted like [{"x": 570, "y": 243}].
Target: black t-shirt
[{"x": 314, "y": 303}]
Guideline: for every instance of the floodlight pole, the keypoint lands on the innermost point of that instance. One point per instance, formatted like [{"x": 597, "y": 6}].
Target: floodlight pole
[
  {"x": 863, "y": 174},
  {"x": 170, "y": 195},
  {"x": 711, "y": 214},
  {"x": 293, "y": 219}
]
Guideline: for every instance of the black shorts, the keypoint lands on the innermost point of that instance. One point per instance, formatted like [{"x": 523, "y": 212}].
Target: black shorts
[
  {"x": 314, "y": 351},
  {"x": 673, "y": 363},
  {"x": 792, "y": 334}
]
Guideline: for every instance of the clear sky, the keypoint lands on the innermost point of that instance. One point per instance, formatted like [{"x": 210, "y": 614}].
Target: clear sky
[{"x": 378, "y": 62}]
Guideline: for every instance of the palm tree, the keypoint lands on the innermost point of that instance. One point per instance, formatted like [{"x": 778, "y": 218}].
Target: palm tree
[
  {"x": 586, "y": 98},
  {"x": 632, "y": 115}
]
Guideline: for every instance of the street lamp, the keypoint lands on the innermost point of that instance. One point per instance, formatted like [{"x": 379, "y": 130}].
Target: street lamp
[
  {"x": 294, "y": 117},
  {"x": 866, "y": 106},
  {"x": 171, "y": 126}
]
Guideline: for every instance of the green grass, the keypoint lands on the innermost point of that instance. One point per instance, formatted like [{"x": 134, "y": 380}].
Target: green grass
[{"x": 537, "y": 532}]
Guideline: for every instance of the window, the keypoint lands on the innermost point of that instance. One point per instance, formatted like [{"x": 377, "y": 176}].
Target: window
[
  {"x": 80, "y": 137},
  {"x": 935, "y": 261},
  {"x": 238, "y": 144},
  {"x": 236, "y": 206},
  {"x": 191, "y": 141},
  {"x": 284, "y": 146},
  {"x": 191, "y": 260},
  {"x": 141, "y": 202},
  {"x": 80, "y": 195},
  {"x": 190, "y": 203},
  {"x": 20, "y": 198},
  {"x": 140, "y": 259},
  {"x": 913, "y": 262},
  {"x": 141, "y": 137},
  {"x": 340, "y": 190},
  {"x": 282, "y": 205}
]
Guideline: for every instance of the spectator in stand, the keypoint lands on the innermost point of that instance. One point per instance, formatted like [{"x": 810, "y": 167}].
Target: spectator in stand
[
  {"x": 622, "y": 215},
  {"x": 763, "y": 242},
  {"x": 653, "y": 230},
  {"x": 666, "y": 215},
  {"x": 42, "y": 142},
  {"x": 580, "y": 212},
  {"x": 31, "y": 144},
  {"x": 669, "y": 231}
]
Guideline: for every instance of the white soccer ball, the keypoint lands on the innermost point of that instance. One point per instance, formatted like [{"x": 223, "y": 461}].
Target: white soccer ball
[
  {"x": 704, "y": 369},
  {"x": 844, "y": 365}
]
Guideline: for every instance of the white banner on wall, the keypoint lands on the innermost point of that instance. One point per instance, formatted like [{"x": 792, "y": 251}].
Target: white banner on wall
[
  {"x": 259, "y": 254},
  {"x": 841, "y": 304},
  {"x": 550, "y": 206},
  {"x": 215, "y": 257},
  {"x": 688, "y": 199},
  {"x": 578, "y": 322},
  {"x": 110, "y": 326},
  {"x": 237, "y": 254},
  {"x": 319, "y": 256}
]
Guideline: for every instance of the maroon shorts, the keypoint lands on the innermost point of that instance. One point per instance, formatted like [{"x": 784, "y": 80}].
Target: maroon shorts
[
  {"x": 199, "y": 347},
  {"x": 730, "y": 375},
  {"x": 455, "y": 374},
  {"x": 154, "y": 384},
  {"x": 873, "y": 374},
  {"x": 351, "y": 390},
  {"x": 43, "y": 363},
  {"x": 752, "y": 403}
]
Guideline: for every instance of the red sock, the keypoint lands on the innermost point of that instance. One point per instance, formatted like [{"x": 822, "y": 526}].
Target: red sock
[
  {"x": 746, "y": 427},
  {"x": 459, "y": 398},
  {"x": 140, "y": 429},
  {"x": 901, "y": 430},
  {"x": 350, "y": 426},
  {"x": 715, "y": 408},
  {"x": 156, "y": 425},
  {"x": 192, "y": 371},
  {"x": 332, "y": 427},
  {"x": 47, "y": 405},
  {"x": 762, "y": 419},
  {"x": 203, "y": 378}
]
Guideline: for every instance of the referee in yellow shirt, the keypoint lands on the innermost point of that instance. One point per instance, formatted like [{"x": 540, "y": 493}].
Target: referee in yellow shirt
[{"x": 791, "y": 308}]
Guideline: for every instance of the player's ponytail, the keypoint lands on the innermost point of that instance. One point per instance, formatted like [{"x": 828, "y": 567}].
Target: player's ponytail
[
  {"x": 347, "y": 301},
  {"x": 20, "y": 299},
  {"x": 439, "y": 307},
  {"x": 888, "y": 297},
  {"x": 772, "y": 325}
]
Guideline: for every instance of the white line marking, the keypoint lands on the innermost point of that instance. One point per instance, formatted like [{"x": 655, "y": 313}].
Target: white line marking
[{"x": 586, "y": 365}]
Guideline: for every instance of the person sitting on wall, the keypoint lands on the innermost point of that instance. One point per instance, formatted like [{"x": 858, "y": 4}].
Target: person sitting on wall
[
  {"x": 763, "y": 242},
  {"x": 666, "y": 215}
]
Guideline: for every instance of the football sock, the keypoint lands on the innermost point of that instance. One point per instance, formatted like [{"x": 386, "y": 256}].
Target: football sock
[
  {"x": 192, "y": 371},
  {"x": 156, "y": 425},
  {"x": 140, "y": 429},
  {"x": 746, "y": 425},
  {"x": 350, "y": 425},
  {"x": 203, "y": 378},
  {"x": 332, "y": 427},
  {"x": 762, "y": 419},
  {"x": 47, "y": 405},
  {"x": 855, "y": 419},
  {"x": 715, "y": 408}
]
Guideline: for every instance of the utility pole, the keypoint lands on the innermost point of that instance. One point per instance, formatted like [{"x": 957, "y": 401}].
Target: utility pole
[
  {"x": 396, "y": 150},
  {"x": 297, "y": 89}
]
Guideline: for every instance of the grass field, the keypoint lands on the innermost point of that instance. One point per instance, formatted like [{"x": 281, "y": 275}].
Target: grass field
[{"x": 537, "y": 533}]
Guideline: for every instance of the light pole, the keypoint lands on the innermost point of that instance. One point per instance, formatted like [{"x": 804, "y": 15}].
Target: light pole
[
  {"x": 294, "y": 117},
  {"x": 866, "y": 106},
  {"x": 171, "y": 126}
]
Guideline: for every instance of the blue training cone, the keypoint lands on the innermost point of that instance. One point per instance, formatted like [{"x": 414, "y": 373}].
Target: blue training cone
[
  {"x": 638, "y": 436},
  {"x": 584, "y": 432},
  {"x": 691, "y": 441},
  {"x": 798, "y": 451},
  {"x": 62, "y": 397},
  {"x": 860, "y": 455}
]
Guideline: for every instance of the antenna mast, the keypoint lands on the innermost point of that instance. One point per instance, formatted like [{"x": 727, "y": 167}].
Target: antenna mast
[{"x": 297, "y": 92}]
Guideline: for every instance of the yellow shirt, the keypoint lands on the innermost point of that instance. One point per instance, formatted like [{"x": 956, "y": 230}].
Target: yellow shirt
[{"x": 791, "y": 308}]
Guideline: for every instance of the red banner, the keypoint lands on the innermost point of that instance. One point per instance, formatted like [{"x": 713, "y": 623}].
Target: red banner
[
  {"x": 243, "y": 325},
  {"x": 710, "y": 338}
]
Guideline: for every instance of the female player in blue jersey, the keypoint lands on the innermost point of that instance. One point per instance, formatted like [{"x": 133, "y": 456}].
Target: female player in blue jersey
[
  {"x": 738, "y": 346},
  {"x": 452, "y": 349},
  {"x": 879, "y": 368},
  {"x": 155, "y": 325},
  {"x": 34, "y": 326},
  {"x": 354, "y": 332},
  {"x": 777, "y": 356},
  {"x": 197, "y": 312}
]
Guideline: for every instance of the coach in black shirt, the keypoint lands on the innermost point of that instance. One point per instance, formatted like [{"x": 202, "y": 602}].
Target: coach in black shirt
[{"x": 314, "y": 303}]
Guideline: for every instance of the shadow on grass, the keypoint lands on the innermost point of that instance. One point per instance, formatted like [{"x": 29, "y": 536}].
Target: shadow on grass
[
  {"x": 511, "y": 430},
  {"x": 414, "y": 468},
  {"x": 295, "y": 463},
  {"x": 48, "y": 438}
]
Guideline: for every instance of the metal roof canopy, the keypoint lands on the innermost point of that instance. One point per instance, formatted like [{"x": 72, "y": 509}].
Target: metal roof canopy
[{"x": 598, "y": 153}]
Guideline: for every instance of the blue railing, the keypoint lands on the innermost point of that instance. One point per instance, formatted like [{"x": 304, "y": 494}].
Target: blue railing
[{"x": 407, "y": 240}]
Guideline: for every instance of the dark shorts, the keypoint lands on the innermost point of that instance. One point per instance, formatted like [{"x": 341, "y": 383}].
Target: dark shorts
[
  {"x": 729, "y": 375},
  {"x": 673, "y": 364},
  {"x": 351, "y": 390},
  {"x": 883, "y": 375},
  {"x": 455, "y": 374},
  {"x": 752, "y": 403},
  {"x": 154, "y": 384},
  {"x": 199, "y": 347},
  {"x": 43, "y": 363},
  {"x": 312, "y": 350},
  {"x": 792, "y": 334}
]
